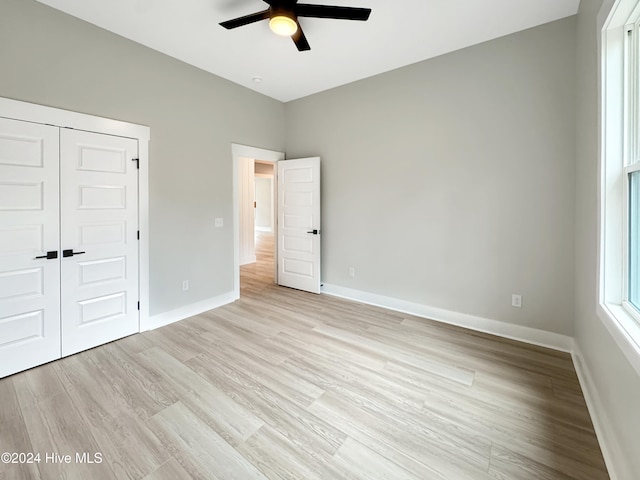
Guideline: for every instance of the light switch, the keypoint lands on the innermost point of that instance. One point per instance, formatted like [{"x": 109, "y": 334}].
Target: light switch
[{"x": 219, "y": 222}]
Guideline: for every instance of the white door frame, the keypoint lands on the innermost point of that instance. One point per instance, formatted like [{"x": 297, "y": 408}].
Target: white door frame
[
  {"x": 238, "y": 151},
  {"x": 30, "y": 112}
]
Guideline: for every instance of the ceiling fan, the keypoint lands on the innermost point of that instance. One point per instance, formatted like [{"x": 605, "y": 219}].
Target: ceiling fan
[{"x": 283, "y": 18}]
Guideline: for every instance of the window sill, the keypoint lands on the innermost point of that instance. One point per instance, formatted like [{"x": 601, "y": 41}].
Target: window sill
[{"x": 624, "y": 329}]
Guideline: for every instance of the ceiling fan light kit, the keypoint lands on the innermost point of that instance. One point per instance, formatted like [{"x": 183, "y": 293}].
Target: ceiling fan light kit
[
  {"x": 283, "y": 25},
  {"x": 283, "y": 18}
]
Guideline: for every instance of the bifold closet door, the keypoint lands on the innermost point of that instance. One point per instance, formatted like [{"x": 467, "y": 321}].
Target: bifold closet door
[
  {"x": 29, "y": 233},
  {"x": 99, "y": 230}
]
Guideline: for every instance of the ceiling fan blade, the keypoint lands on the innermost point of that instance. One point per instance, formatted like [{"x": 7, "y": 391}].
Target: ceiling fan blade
[
  {"x": 300, "y": 39},
  {"x": 328, "y": 11},
  {"x": 246, "y": 20}
]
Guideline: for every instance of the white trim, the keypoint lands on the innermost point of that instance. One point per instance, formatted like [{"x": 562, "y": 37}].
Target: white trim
[
  {"x": 143, "y": 226},
  {"x": 31, "y": 112},
  {"x": 238, "y": 151},
  {"x": 248, "y": 260},
  {"x": 530, "y": 335},
  {"x": 191, "y": 310},
  {"x": 624, "y": 330},
  {"x": 34, "y": 113},
  {"x": 616, "y": 465},
  {"x": 611, "y": 186}
]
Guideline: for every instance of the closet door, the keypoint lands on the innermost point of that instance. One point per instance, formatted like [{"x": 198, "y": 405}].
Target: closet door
[
  {"x": 29, "y": 228},
  {"x": 99, "y": 224}
]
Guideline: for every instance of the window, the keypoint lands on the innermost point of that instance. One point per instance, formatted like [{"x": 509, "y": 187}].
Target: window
[
  {"x": 631, "y": 170},
  {"x": 619, "y": 295},
  {"x": 633, "y": 257}
]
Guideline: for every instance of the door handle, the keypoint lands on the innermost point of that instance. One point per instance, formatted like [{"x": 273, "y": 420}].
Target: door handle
[
  {"x": 71, "y": 253},
  {"x": 50, "y": 255},
  {"x": 315, "y": 232}
]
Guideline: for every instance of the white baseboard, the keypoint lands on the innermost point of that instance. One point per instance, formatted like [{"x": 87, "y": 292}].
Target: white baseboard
[
  {"x": 618, "y": 470},
  {"x": 187, "y": 311},
  {"x": 248, "y": 260},
  {"x": 530, "y": 335}
]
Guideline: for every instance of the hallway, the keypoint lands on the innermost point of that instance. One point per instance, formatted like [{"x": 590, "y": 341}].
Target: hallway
[{"x": 261, "y": 274}]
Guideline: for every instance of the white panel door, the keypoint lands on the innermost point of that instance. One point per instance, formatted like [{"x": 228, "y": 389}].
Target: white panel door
[
  {"x": 299, "y": 224},
  {"x": 29, "y": 228},
  {"x": 99, "y": 229}
]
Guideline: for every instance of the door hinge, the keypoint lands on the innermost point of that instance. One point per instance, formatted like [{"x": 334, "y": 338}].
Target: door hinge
[
  {"x": 137, "y": 160},
  {"x": 138, "y": 305},
  {"x": 138, "y": 235}
]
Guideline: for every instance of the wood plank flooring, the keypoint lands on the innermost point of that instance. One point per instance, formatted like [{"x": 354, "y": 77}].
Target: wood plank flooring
[{"x": 288, "y": 385}]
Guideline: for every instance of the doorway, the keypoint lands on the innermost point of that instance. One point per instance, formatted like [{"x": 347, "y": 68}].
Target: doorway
[
  {"x": 296, "y": 239},
  {"x": 260, "y": 228},
  {"x": 255, "y": 215}
]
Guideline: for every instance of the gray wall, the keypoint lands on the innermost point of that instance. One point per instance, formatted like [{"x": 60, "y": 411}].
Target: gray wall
[
  {"x": 456, "y": 175},
  {"x": 616, "y": 383},
  {"x": 51, "y": 58},
  {"x": 264, "y": 202},
  {"x": 459, "y": 175}
]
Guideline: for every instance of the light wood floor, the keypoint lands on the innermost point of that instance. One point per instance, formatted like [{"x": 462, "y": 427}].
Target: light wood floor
[{"x": 288, "y": 385}]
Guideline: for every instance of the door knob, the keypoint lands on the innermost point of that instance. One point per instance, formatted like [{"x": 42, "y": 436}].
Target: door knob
[
  {"x": 71, "y": 253},
  {"x": 315, "y": 232},
  {"x": 50, "y": 255}
]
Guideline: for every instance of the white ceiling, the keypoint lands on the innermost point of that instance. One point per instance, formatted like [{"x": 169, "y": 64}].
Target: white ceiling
[{"x": 397, "y": 33}]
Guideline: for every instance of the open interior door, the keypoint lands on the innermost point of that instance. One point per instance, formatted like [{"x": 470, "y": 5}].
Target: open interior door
[{"x": 299, "y": 224}]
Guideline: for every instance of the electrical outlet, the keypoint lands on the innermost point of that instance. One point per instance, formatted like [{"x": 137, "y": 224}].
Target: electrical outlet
[
  {"x": 352, "y": 271},
  {"x": 516, "y": 300},
  {"x": 185, "y": 285},
  {"x": 219, "y": 222}
]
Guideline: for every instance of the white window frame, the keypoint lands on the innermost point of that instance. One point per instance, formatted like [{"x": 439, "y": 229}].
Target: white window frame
[
  {"x": 631, "y": 143},
  {"x": 620, "y": 152}
]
